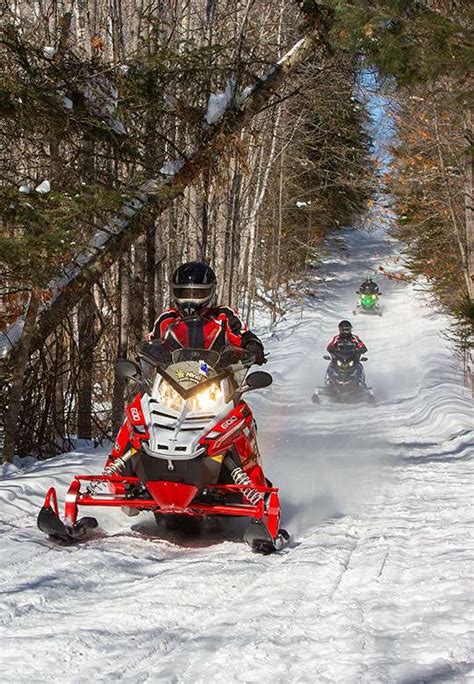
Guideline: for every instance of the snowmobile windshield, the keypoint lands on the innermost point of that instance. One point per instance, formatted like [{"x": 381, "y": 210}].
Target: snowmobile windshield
[
  {"x": 188, "y": 371},
  {"x": 209, "y": 356}
]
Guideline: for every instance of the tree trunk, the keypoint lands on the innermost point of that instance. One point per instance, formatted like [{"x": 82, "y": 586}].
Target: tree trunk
[
  {"x": 86, "y": 344},
  {"x": 457, "y": 229},
  {"x": 468, "y": 201},
  {"x": 122, "y": 346},
  {"x": 59, "y": 385},
  {"x": 150, "y": 274},
  {"x": 18, "y": 376},
  {"x": 137, "y": 294}
]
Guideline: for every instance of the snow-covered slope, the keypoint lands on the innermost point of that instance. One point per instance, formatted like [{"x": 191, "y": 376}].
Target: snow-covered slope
[{"x": 376, "y": 585}]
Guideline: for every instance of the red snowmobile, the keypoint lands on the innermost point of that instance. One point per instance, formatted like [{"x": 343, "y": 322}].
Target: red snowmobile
[{"x": 187, "y": 447}]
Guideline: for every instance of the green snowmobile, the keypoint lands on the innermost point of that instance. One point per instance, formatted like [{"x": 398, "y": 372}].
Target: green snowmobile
[{"x": 368, "y": 299}]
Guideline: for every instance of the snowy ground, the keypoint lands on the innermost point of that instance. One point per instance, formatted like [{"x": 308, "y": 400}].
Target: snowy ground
[{"x": 377, "y": 583}]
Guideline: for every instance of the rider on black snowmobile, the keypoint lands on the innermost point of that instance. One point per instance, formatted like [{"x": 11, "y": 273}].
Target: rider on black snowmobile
[
  {"x": 369, "y": 287},
  {"x": 193, "y": 290},
  {"x": 346, "y": 338}
]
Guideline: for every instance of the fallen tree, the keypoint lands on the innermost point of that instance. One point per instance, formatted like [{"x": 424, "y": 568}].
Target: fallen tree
[{"x": 109, "y": 243}]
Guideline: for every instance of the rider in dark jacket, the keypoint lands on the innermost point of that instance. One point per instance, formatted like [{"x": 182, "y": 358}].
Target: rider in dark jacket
[
  {"x": 369, "y": 287},
  {"x": 193, "y": 290}
]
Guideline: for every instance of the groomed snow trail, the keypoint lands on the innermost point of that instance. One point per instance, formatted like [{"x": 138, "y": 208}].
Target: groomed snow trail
[{"x": 377, "y": 583}]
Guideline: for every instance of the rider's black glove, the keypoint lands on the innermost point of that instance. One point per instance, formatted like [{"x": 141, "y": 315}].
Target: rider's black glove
[{"x": 256, "y": 348}]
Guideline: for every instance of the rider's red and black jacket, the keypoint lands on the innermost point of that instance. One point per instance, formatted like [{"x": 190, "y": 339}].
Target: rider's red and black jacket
[
  {"x": 214, "y": 329},
  {"x": 358, "y": 344}
]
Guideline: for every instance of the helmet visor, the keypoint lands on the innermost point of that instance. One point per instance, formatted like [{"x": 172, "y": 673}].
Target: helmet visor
[{"x": 199, "y": 294}]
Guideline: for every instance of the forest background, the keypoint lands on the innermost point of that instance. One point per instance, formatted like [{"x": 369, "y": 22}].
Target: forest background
[{"x": 135, "y": 135}]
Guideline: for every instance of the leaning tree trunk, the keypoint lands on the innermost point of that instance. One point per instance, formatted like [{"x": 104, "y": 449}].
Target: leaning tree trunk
[{"x": 18, "y": 376}]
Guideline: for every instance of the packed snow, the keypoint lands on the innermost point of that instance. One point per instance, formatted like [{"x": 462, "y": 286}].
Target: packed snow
[{"x": 376, "y": 584}]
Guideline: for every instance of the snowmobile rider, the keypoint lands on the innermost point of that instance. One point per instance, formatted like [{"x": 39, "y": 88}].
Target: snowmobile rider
[
  {"x": 369, "y": 287},
  {"x": 345, "y": 336},
  {"x": 194, "y": 292}
]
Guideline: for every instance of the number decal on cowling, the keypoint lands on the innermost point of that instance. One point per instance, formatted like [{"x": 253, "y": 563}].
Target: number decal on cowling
[
  {"x": 135, "y": 413},
  {"x": 228, "y": 422}
]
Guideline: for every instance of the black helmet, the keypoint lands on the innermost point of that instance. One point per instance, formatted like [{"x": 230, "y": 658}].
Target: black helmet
[
  {"x": 193, "y": 287},
  {"x": 345, "y": 328}
]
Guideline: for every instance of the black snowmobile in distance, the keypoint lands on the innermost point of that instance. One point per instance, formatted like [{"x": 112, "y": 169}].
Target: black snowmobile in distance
[{"x": 345, "y": 377}]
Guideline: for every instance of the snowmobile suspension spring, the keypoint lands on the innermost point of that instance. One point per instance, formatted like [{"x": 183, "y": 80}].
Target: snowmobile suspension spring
[
  {"x": 241, "y": 478},
  {"x": 113, "y": 468}
]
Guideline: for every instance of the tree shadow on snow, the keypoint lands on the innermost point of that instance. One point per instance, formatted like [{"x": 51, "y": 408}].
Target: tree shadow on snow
[{"x": 442, "y": 672}]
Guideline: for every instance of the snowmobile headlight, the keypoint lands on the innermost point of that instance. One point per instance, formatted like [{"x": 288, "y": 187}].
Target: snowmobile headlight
[
  {"x": 351, "y": 362},
  {"x": 339, "y": 362},
  {"x": 207, "y": 399},
  {"x": 169, "y": 397}
]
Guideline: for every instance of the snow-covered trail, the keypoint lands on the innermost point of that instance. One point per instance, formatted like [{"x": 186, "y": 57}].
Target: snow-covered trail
[{"x": 377, "y": 583}]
